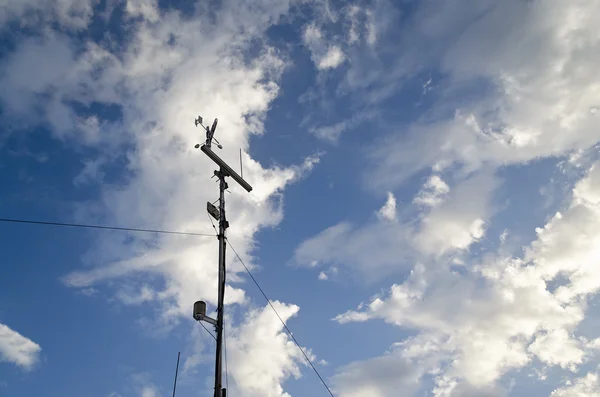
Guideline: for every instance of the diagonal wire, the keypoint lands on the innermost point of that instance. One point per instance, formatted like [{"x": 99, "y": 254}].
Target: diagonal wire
[
  {"x": 128, "y": 229},
  {"x": 212, "y": 223},
  {"x": 280, "y": 319},
  {"x": 210, "y": 333}
]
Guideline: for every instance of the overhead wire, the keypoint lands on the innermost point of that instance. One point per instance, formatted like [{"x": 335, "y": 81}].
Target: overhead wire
[
  {"x": 88, "y": 226},
  {"x": 103, "y": 227},
  {"x": 280, "y": 319}
]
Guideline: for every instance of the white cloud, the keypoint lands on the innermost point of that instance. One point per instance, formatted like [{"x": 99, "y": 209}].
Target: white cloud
[
  {"x": 388, "y": 211},
  {"x": 378, "y": 377},
  {"x": 22, "y": 80},
  {"x": 323, "y": 276},
  {"x": 393, "y": 243},
  {"x": 332, "y": 58},
  {"x": 147, "y": 9},
  {"x": 558, "y": 348},
  {"x": 143, "y": 385},
  {"x": 449, "y": 311},
  {"x": 568, "y": 244},
  {"x": 505, "y": 307},
  {"x": 331, "y": 133},
  {"x": 427, "y": 86},
  {"x": 323, "y": 55},
  {"x": 72, "y": 14},
  {"x": 504, "y": 236},
  {"x": 365, "y": 23},
  {"x": 261, "y": 355},
  {"x": 460, "y": 220},
  {"x": 149, "y": 391},
  {"x": 352, "y": 13},
  {"x": 495, "y": 316},
  {"x": 587, "y": 386},
  {"x": 537, "y": 61},
  {"x": 128, "y": 297},
  {"x": 18, "y": 349},
  {"x": 587, "y": 191},
  {"x": 532, "y": 109},
  {"x": 368, "y": 252},
  {"x": 433, "y": 192}
]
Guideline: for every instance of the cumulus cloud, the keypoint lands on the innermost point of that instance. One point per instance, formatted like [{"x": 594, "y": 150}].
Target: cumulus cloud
[
  {"x": 18, "y": 349},
  {"x": 587, "y": 386},
  {"x": 499, "y": 314},
  {"x": 567, "y": 246},
  {"x": 262, "y": 355},
  {"x": 519, "y": 80},
  {"x": 460, "y": 220}
]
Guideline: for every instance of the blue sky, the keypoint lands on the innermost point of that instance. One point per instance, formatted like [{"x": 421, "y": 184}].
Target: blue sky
[{"x": 424, "y": 214}]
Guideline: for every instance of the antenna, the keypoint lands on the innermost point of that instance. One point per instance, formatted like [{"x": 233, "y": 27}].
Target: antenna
[
  {"x": 176, "y": 371},
  {"x": 241, "y": 167},
  {"x": 199, "y": 312}
]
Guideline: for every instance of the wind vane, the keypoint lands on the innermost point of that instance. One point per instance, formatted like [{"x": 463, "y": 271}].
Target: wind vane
[{"x": 219, "y": 214}]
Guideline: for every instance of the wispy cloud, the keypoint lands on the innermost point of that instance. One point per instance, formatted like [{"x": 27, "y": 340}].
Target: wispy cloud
[{"x": 324, "y": 55}]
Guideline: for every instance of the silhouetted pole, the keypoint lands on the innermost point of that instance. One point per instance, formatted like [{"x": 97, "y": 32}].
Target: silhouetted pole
[
  {"x": 223, "y": 225},
  {"x": 200, "y": 307}
]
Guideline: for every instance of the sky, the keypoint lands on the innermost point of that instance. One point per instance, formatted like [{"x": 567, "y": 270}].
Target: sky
[{"x": 425, "y": 215}]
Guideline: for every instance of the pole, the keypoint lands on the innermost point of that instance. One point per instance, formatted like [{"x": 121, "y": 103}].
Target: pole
[
  {"x": 222, "y": 227},
  {"x": 224, "y": 171},
  {"x": 176, "y": 371}
]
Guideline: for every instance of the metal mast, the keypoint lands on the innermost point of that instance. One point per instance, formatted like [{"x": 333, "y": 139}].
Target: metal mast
[{"x": 219, "y": 214}]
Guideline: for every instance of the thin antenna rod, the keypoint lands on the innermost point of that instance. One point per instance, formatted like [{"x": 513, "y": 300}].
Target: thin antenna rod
[
  {"x": 241, "y": 168},
  {"x": 176, "y": 371}
]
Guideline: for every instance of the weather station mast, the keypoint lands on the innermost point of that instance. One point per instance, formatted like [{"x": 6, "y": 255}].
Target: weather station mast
[{"x": 219, "y": 214}]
